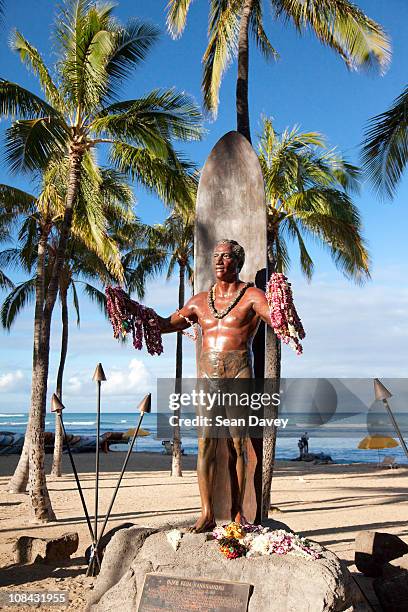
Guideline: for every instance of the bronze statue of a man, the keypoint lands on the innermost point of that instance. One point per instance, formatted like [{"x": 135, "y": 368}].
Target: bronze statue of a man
[{"x": 229, "y": 315}]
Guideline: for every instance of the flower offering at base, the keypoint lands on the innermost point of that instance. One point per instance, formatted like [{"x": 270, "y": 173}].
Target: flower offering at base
[{"x": 249, "y": 540}]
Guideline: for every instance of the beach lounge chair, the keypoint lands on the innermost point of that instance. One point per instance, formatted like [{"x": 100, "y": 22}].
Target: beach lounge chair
[{"x": 389, "y": 461}]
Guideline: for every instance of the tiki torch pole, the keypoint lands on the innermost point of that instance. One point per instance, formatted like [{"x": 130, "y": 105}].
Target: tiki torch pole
[
  {"x": 382, "y": 393},
  {"x": 57, "y": 406},
  {"x": 98, "y": 377},
  {"x": 144, "y": 407}
]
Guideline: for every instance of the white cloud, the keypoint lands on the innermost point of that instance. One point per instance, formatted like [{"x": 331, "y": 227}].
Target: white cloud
[
  {"x": 136, "y": 378},
  {"x": 120, "y": 381},
  {"x": 11, "y": 381}
]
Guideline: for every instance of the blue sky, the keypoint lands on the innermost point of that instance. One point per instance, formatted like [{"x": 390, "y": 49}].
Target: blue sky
[{"x": 351, "y": 331}]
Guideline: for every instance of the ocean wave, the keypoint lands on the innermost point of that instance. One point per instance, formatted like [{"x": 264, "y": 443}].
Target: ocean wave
[
  {"x": 80, "y": 422},
  {"x": 8, "y": 415},
  {"x": 14, "y": 423},
  {"x": 123, "y": 421}
]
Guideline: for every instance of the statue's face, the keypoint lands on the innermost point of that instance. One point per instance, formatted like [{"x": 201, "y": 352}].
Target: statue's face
[{"x": 224, "y": 262}]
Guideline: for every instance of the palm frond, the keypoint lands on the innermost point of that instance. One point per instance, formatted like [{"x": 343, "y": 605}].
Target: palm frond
[
  {"x": 75, "y": 302},
  {"x": 223, "y": 30},
  {"x": 176, "y": 16},
  {"x": 15, "y": 201},
  {"x": 30, "y": 143},
  {"x": 152, "y": 121},
  {"x": 278, "y": 254},
  {"x": 98, "y": 297},
  {"x": 86, "y": 35},
  {"x": 15, "y": 101},
  {"x": 308, "y": 190},
  {"x": 169, "y": 178},
  {"x": 130, "y": 47},
  {"x": 5, "y": 282},
  {"x": 259, "y": 35},
  {"x": 90, "y": 221},
  {"x": 306, "y": 262},
  {"x": 385, "y": 148},
  {"x": 32, "y": 58},
  {"x": 16, "y": 300},
  {"x": 341, "y": 25}
]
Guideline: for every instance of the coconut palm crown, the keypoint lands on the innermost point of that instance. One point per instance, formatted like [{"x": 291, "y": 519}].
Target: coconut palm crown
[
  {"x": 338, "y": 24},
  {"x": 309, "y": 191}
]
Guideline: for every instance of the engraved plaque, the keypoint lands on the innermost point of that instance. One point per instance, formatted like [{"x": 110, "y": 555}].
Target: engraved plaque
[{"x": 161, "y": 592}]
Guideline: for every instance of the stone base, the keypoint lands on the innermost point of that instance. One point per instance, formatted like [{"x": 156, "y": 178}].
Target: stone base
[
  {"x": 29, "y": 549},
  {"x": 280, "y": 583}
]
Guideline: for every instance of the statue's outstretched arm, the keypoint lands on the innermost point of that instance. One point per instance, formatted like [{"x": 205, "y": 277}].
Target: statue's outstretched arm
[{"x": 179, "y": 320}]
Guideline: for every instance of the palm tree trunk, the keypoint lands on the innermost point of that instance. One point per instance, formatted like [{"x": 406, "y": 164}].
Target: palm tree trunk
[
  {"x": 243, "y": 126},
  {"x": 19, "y": 480},
  {"x": 40, "y": 501},
  {"x": 176, "y": 459},
  {"x": 58, "y": 440},
  {"x": 272, "y": 371}
]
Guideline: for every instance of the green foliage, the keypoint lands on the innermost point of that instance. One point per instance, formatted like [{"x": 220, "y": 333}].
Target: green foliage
[
  {"x": 159, "y": 248},
  {"x": 385, "y": 148},
  {"x": 81, "y": 107},
  {"x": 104, "y": 209},
  {"x": 338, "y": 24},
  {"x": 308, "y": 194}
]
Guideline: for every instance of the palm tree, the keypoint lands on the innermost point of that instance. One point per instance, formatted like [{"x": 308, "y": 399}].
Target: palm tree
[
  {"x": 165, "y": 246},
  {"x": 385, "y": 148},
  {"x": 81, "y": 111},
  {"x": 80, "y": 264},
  {"x": 90, "y": 247},
  {"x": 308, "y": 195},
  {"x": 338, "y": 24}
]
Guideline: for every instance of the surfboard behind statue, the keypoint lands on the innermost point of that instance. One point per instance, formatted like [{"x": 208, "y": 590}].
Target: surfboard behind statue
[{"x": 231, "y": 204}]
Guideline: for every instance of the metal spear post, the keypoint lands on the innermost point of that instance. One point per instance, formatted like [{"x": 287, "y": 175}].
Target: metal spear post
[
  {"x": 94, "y": 562},
  {"x": 382, "y": 393},
  {"x": 144, "y": 407},
  {"x": 57, "y": 406}
]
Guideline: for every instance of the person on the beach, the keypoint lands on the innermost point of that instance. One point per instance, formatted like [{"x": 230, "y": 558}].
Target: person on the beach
[
  {"x": 229, "y": 315},
  {"x": 305, "y": 441}
]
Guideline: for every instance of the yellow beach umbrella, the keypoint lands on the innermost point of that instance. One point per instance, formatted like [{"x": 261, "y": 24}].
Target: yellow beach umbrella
[{"x": 377, "y": 443}]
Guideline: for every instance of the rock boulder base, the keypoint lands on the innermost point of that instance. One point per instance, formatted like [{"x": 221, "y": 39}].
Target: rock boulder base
[
  {"x": 45, "y": 550},
  {"x": 281, "y": 583},
  {"x": 373, "y": 549}
]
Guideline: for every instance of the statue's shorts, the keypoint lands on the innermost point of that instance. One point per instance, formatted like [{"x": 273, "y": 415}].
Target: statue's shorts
[
  {"x": 226, "y": 364},
  {"x": 224, "y": 376}
]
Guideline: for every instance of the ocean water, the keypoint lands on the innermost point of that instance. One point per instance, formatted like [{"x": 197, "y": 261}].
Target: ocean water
[{"x": 340, "y": 445}]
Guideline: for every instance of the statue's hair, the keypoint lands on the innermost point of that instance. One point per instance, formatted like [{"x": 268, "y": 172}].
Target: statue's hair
[{"x": 237, "y": 251}]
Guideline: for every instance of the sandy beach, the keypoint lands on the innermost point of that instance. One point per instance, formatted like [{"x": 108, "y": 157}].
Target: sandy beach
[{"x": 327, "y": 503}]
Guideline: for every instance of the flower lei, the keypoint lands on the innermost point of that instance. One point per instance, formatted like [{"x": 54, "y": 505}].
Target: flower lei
[
  {"x": 284, "y": 318},
  {"x": 192, "y": 335},
  {"x": 249, "y": 540},
  {"x": 128, "y": 316},
  {"x": 211, "y": 301}
]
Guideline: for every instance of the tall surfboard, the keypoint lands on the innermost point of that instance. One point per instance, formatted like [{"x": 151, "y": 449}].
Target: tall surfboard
[{"x": 231, "y": 204}]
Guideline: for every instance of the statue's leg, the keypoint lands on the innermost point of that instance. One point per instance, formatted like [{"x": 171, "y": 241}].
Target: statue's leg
[
  {"x": 238, "y": 472},
  {"x": 207, "y": 448}
]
